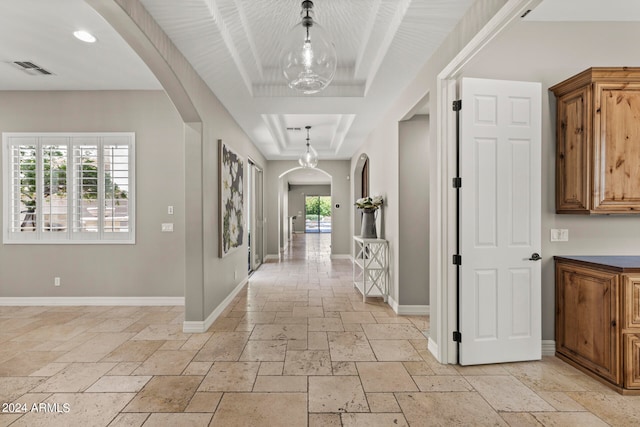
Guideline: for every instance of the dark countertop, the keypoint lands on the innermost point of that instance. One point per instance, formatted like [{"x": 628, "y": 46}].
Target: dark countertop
[{"x": 622, "y": 263}]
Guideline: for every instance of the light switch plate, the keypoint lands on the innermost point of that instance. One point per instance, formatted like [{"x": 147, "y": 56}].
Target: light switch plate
[
  {"x": 170, "y": 210},
  {"x": 167, "y": 227},
  {"x": 559, "y": 235}
]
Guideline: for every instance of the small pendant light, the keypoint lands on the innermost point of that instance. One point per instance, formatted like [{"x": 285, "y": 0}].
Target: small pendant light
[{"x": 308, "y": 159}]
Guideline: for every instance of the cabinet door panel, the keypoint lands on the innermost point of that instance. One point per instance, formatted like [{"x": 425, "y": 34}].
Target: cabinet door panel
[
  {"x": 616, "y": 185},
  {"x": 632, "y": 361},
  {"x": 573, "y": 142},
  {"x": 587, "y": 330},
  {"x": 632, "y": 301}
]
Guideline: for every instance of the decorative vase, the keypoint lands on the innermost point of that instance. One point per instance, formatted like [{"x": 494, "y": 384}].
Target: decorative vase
[{"x": 368, "y": 229}]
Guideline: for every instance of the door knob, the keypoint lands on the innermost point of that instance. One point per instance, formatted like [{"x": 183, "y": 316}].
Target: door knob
[{"x": 535, "y": 257}]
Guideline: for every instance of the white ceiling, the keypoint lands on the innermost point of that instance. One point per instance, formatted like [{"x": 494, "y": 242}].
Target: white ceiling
[
  {"x": 234, "y": 45},
  {"x": 586, "y": 10},
  {"x": 41, "y": 31}
]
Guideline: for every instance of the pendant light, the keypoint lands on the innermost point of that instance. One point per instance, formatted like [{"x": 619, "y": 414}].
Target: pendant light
[
  {"x": 308, "y": 159},
  {"x": 308, "y": 57}
]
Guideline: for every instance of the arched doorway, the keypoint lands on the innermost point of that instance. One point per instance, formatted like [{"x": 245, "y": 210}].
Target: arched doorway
[
  {"x": 294, "y": 187},
  {"x": 360, "y": 187}
]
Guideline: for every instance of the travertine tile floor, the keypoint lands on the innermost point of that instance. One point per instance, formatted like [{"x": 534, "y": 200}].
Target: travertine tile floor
[{"x": 297, "y": 347}]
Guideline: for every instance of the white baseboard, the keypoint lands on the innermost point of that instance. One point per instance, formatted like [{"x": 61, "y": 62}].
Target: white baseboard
[
  {"x": 408, "y": 310},
  {"x": 342, "y": 256},
  {"x": 432, "y": 346},
  {"x": 392, "y": 303},
  {"x": 413, "y": 310},
  {"x": 198, "y": 326},
  {"x": 79, "y": 301},
  {"x": 548, "y": 347},
  {"x": 271, "y": 256}
]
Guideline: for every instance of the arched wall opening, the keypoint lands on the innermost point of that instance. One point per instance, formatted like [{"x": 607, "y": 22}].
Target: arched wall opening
[
  {"x": 283, "y": 205},
  {"x": 211, "y": 282},
  {"x": 360, "y": 188}
]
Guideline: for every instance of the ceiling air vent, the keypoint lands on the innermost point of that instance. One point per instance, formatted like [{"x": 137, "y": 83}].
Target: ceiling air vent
[
  {"x": 294, "y": 129},
  {"x": 31, "y": 68}
]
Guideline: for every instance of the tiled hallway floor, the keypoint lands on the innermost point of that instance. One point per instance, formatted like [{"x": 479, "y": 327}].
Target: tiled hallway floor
[{"x": 297, "y": 347}]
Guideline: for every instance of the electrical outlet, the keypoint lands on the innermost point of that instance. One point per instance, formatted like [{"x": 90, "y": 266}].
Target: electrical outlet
[
  {"x": 559, "y": 235},
  {"x": 167, "y": 227},
  {"x": 56, "y": 281},
  {"x": 235, "y": 275},
  {"x": 170, "y": 210}
]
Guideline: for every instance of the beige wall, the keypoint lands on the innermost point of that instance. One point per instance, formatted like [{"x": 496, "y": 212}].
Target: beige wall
[
  {"x": 381, "y": 144},
  {"x": 532, "y": 51},
  {"x": 549, "y": 53},
  {"x": 209, "y": 280},
  {"x": 154, "y": 266},
  {"x": 382, "y": 148},
  {"x": 413, "y": 200}
]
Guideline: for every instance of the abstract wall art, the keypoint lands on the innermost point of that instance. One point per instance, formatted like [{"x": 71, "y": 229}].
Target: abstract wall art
[{"x": 231, "y": 199}]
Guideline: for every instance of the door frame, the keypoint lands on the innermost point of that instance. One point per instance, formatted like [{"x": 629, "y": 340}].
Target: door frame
[
  {"x": 257, "y": 204},
  {"x": 282, "y": 215},
  {"x": 443, "y": 293},
  {"x": 306, "y": 196}
]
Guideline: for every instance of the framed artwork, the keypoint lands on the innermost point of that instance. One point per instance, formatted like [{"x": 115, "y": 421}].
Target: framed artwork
[{"x": 231, "y": 199}]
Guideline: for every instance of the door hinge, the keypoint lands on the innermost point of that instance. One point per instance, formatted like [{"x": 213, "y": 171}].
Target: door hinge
[
  {"x": 457, "y": 259},
  {"x": 457, "y": 336},
  {"x": 457, "y": 182},
  {"x": 457, "y": 105}
]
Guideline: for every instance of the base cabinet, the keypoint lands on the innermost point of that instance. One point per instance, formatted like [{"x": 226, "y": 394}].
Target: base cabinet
[
  {"x": 587, "y": 323},
  {"x": 598, "y": 318},
  {"x": 632, "y": 361}
]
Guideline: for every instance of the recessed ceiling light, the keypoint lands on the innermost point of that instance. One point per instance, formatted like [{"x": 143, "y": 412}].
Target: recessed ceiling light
[{"x": 84, "y": 36}]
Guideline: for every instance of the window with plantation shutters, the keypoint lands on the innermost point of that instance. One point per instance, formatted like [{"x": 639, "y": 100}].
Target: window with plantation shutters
[{"x": 68, "y": 188}]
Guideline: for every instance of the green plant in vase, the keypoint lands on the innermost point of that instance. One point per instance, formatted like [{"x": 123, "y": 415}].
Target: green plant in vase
[{"x": 369, "y": 206}]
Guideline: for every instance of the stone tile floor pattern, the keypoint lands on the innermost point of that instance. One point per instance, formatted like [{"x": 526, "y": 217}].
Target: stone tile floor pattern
[{"x": 297, "y": 347}]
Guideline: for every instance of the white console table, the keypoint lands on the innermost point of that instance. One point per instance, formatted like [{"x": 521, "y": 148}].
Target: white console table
[{"x": 371, "y": 267}]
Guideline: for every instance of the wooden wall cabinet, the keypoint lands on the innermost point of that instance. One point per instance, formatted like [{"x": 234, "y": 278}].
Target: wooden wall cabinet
[
  {"x": 598, "y": 317},
  {"x": 598, "y": 142}
]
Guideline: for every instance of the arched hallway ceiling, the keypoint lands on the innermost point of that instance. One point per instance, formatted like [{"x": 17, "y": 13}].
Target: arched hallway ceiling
[
  {"x": 234, "y": 44},
  {"x": 306, "y": 176}
]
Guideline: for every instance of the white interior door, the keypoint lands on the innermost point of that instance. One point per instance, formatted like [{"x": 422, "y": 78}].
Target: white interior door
[{"x": 499, "y": 308}]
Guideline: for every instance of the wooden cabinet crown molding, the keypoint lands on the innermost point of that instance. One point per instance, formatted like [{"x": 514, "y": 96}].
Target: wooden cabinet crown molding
[
  {"x": 596, "y": 74},
  {"x": 598, "y": 142}
]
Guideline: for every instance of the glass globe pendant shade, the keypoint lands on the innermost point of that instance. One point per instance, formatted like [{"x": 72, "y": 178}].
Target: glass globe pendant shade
[
  {"x": 309, "y": 159},
  {"x": 308, "y": 57}
]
